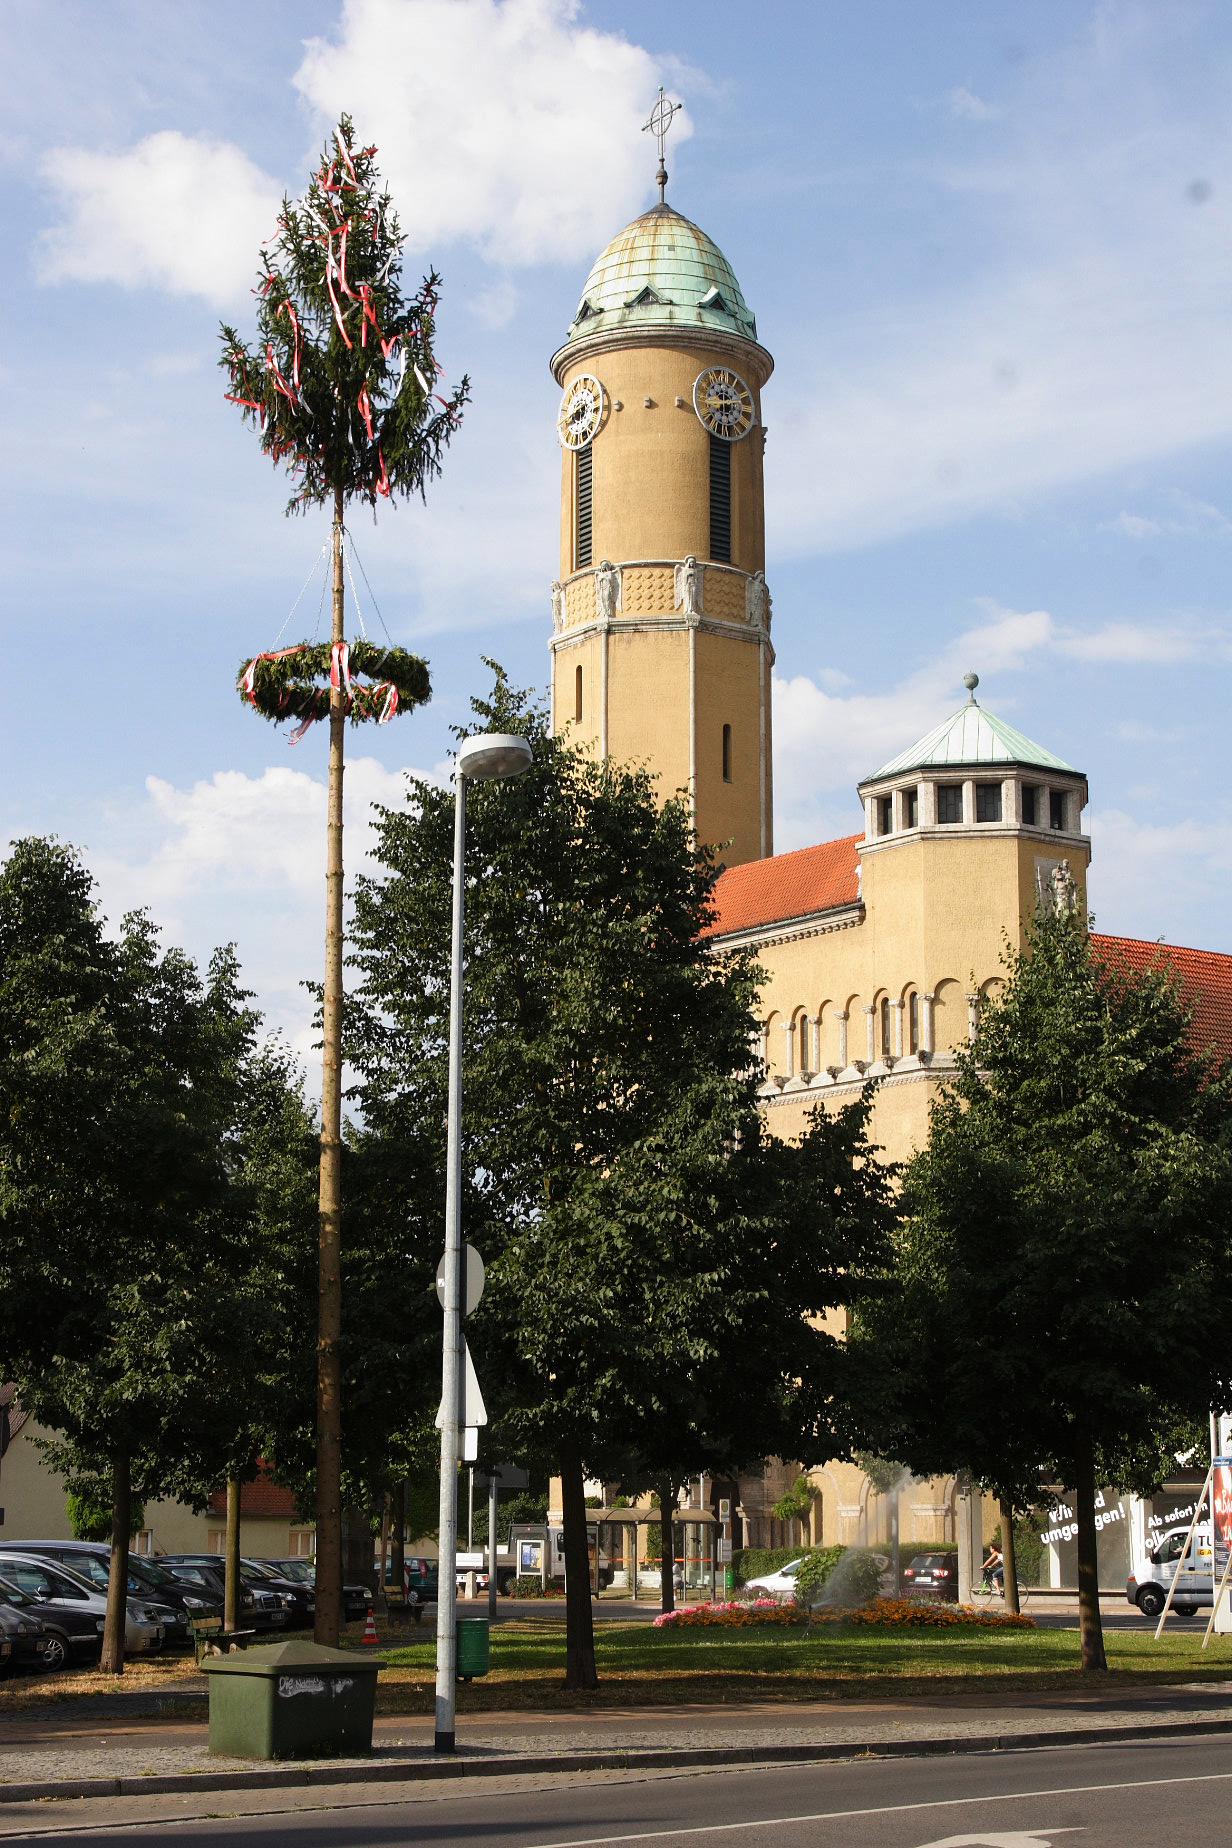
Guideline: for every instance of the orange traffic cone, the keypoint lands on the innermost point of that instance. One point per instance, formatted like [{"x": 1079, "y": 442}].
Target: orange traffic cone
[{"x": 369, "y": 1635}]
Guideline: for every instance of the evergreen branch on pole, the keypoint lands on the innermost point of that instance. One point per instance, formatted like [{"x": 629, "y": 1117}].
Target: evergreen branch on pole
[{"x": 342, "y": 380}]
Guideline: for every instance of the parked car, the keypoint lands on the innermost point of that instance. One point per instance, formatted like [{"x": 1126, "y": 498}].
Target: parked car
[
  {"x": 355, "y": 1598},
  {"x": 780, "y": 1584},
  {"x": 300, "y": 1599},
  {"x": 148, "y": 1584},
  {"x": 74, "y": 1610},
  {"x": 266, "y": 1608},
  {"x": 423, "y": 1578},
  {"x": 22, "y": 1636},
  {"x": 934, "y": 1573}
]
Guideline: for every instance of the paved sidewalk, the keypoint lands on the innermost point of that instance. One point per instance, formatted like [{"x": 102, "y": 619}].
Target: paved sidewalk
[{"x": 64, "y": 1754}]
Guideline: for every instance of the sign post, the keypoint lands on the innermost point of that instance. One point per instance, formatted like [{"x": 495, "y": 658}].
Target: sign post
[{"x": 501, "y": 1476}]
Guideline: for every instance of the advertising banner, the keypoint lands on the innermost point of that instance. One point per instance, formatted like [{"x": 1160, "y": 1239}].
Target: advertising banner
[{"x": 1221, "y": 1529}]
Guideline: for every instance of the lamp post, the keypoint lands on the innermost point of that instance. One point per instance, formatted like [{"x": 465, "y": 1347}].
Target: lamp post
[{"x": 481, "y": 759}]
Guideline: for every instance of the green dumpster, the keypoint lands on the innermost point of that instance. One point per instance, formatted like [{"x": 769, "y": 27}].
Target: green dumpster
[
  {"x": 292, "y": 1700},
  {"x": 472, "y": 1647}
]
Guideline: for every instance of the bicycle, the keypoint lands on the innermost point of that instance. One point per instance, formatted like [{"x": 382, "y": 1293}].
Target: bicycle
[{"x": 992, "y": 1585}]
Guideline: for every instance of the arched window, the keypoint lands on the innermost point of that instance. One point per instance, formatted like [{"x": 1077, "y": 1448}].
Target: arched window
[
  {"x": 887, "y": 1043},
  {"x": 913, "y": 1022},
  {"x": 720, "y": 500},
  {"x": 577, "y": 695},
  {"x": 727, "y": 761},
  {"x": 806, "y": 1050}
]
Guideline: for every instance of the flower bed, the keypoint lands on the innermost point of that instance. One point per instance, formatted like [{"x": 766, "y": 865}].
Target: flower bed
[
  {"x": 922, "y": 1614},
  {"x": 890, "y": 1613},
  {"x": 734, "y": 1616}
]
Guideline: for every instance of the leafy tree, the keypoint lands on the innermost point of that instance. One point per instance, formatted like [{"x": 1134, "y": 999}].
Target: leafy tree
[
  {"x": 652, "y": 1255},
  {"x": 1061, "y": 1293},
  {"x": 341, "y": 389},
  {"x": 133, "y": 1307}
]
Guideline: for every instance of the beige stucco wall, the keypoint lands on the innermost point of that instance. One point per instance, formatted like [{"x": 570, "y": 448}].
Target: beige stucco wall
[{"x": 34, "y": 1503}]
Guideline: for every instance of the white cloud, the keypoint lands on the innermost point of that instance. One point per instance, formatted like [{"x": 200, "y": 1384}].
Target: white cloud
[
  {"x": 1190, "y": 516},
  {"x": 242, "y": 858},
  {"x": 972, "y": 108},
  {"x": 1083, "y": 330},
  {"x": 504, "y": 122},
  {"x": 1150, "y": 877},
  {"x": 1132, "y": 643},
  {"x": 180, "y": 212},
  {"x": 825, "y": 741}
]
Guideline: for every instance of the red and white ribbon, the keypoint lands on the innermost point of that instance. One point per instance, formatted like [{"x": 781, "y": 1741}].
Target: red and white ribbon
[
  {"x": 250, "y": 672},
  {"x": 302, "y": 727},
  {"x": 340, "y": 665},
  {"x": 390, "y": 707}
]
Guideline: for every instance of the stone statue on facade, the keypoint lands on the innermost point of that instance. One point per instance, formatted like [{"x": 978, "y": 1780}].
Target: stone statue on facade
[
  {"x": 607, "y": 590},
  {"x": 757, "y": 601},
  {"x": 558, "y": 607},
  {"x": 687, "y": 579},
  {"x": 1063, "y": 887}
]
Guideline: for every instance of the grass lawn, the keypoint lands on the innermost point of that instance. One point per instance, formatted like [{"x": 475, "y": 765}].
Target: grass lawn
[{"x": 640, "y": 1665}]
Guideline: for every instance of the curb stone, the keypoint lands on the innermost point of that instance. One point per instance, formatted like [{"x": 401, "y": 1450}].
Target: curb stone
[{"x": 426, "y": 1770}]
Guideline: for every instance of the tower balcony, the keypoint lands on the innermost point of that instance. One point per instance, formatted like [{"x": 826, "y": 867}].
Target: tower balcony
[{"x": 668, "y": 591}]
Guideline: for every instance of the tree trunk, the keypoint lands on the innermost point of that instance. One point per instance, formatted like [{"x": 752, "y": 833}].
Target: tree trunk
[
  {"x": 231, "y": 1592},
  {"x": 328, "y": 1625},
  {"x": 579, "y": 1617},
  {"x": 896, "y": 1561},
  {"x": 358, "y": 1553},
  {"x": 1089, "y": 1623},
  {"x": 1009, "y": 1562},
  {"x": 397, "y": 1543},
  {"x": 111, "y": 1661},
  {"x": 667, "y": 1547}
]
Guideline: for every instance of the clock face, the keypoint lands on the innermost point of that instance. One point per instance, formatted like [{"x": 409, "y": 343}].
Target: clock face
[
  {"x": 723, "y": 402},
  {"x": 581, "y": 412}
]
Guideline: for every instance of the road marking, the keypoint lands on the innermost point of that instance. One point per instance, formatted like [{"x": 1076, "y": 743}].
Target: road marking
[
  {"x": 883, "y": 1809},
  {"x": 1017, "y": 1838}
]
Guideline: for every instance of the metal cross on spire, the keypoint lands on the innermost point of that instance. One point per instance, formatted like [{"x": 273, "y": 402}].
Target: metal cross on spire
[{"x": 661, "y": 118}]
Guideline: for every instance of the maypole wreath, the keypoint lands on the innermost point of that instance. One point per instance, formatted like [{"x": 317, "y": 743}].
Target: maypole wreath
[{"x": 296, "y": 683}]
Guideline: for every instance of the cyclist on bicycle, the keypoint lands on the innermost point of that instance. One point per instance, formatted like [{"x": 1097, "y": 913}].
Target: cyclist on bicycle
[{"x": 994, "y": 1572}]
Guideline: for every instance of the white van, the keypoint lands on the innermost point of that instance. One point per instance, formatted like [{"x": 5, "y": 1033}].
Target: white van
[{"x": 1153, "y": 1572}]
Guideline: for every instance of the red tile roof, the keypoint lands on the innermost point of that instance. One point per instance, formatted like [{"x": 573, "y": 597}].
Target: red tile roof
[
  {"x": 259, "y": 1497},
  {"x": 790, "y": 885},
  {"x": 1206, "y": 983}
]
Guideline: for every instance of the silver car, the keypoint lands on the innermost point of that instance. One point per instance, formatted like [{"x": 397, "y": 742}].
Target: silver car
[{"x": 42, "y": 1579}]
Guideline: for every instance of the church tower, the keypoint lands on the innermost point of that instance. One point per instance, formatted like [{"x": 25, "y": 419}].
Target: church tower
[{"x": 661, "y": 619}]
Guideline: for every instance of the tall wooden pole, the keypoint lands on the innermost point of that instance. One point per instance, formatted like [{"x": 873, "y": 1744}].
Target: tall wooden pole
[
  {"x": 328, "y": 1624},
  {"x": 231, "y": 1565}
]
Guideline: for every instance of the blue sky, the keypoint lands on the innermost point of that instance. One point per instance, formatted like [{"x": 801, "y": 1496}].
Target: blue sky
[{"x": 989, "y": 246}]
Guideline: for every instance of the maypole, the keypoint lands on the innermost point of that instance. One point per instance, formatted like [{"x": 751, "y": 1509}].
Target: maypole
[{"x": 339, "y": 391}]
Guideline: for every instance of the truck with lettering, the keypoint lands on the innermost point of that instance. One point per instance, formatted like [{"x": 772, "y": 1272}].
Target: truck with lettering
[{"x": 1165, "y": 1557}]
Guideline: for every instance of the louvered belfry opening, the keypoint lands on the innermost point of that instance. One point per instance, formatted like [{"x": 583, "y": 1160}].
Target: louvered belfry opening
[
  {"x": 583, "y": 503},
  {"x": 720, "y": 500}
]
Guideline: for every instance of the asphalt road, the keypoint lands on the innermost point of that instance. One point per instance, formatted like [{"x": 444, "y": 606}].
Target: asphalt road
[{"x": 1117, "y": 1796}]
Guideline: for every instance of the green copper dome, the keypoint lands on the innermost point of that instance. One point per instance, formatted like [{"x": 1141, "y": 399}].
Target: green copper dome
[
  {"x": 971, "y": 736},
  {"x": 662, "y": 271}
]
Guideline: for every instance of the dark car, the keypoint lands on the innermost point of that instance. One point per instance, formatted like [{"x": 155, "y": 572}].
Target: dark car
[
  {"x": 933, "y": 1573},
  {"x": 263, "y": 1605},
  {"x": 300, "y": 1599},
  {"x": 23, "y": 1640},
  {"x": 355, "y": 1598},
  {"x": 91, "y": 1559},
  {"x": 68, "y": 1606},
  {"x": 210, "y": 1582}
]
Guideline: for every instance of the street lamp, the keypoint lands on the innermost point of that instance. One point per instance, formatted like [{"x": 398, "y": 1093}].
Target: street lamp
[{"x": 481, "y": 759}]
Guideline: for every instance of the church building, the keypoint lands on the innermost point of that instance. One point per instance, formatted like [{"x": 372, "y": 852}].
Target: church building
[{"x": 881, "y": 946}]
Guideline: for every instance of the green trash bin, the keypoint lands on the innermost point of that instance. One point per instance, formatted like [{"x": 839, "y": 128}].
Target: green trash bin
[
  {"x": 292, "y": 1700},
  {"x": 473, "y": 1647}
]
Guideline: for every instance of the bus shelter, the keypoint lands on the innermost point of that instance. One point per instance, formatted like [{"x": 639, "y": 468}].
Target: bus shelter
[{"x": 628, "y": 1544}]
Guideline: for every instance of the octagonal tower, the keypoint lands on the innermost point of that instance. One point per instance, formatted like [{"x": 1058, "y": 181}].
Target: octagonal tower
[{"x": 661, "y": 619}]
